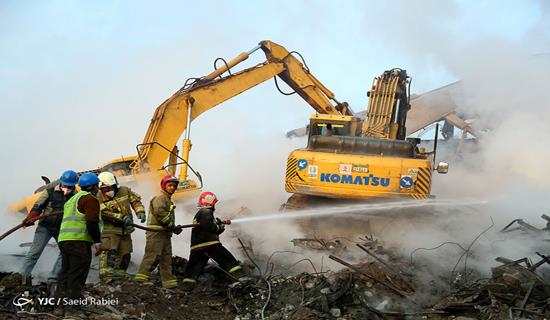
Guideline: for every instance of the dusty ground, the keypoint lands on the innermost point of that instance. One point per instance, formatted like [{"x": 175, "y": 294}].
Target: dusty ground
[
  {"x": 384, "y": 285},
  {"x": 360, "y": 278}
]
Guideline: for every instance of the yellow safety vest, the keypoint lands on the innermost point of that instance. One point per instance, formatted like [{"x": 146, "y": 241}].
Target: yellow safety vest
[{"x": 73, "y": 225}]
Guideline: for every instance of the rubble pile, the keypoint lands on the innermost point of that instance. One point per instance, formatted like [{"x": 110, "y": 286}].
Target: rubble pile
[
  {"x": 387, "y": 286},
  {"x": 378, "y": 289},
  {"x": 139, "y": 301},
  {"x": 333, "y": 245},
  {"x": 344, "y": 295},
  {"x": 129, "y": 300},
  {"x": 512, "y": 291},
  {"x": 381, "y": 283}
]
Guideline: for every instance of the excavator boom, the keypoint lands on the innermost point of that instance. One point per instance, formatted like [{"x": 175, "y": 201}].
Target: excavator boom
[
  {"x": 170, "y": 118},
  {"x": 173, "y": 116},
  {"x": 388, "y": 106}
]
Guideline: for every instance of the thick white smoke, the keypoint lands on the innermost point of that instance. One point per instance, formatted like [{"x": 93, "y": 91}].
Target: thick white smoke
[{"x": 505, "y": 83}]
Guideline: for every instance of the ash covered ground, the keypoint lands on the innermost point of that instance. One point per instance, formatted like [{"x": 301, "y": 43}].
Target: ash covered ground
[{"x": 387, "y": 272}]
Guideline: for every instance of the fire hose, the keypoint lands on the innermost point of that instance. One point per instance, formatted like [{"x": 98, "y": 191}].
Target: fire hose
[
  {"x": 44, "y": 216},
  {"x": 137, "y": 226},
  {"x": 22, "y": 224},
  {"x": 179, "y": 226}
]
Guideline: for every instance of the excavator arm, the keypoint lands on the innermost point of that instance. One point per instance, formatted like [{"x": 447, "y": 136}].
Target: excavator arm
[
  {"x": 388, "y": 106},
  {"x": 298, "y": 77},
  {"x": 174, "y": 115}
]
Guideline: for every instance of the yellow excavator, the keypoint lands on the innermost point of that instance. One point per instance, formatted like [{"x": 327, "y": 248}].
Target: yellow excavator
[
  {"x": 347, "y": 157},
  {"x": 359, "y": 159}
]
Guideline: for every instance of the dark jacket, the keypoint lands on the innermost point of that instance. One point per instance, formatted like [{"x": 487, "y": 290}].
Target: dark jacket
[
  {"x": 51, "y": 200},
  {"x": 89, "y": 206},
  {"x": 208, "y": 231}
]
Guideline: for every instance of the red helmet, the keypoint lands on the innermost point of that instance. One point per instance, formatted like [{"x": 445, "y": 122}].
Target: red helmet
[
  {"x": 207, "y": 199},
  {"x": 166, "y": 179}
]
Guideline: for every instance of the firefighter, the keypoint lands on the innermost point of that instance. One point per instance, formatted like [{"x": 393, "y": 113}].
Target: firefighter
[
  {"x": 79, "y": 231},
  {"x": 205, "y": 242},
  {"x": 159, "y": 243},
  {"x": 50, "y": 200},
  {"x": 117, "y": 203}
]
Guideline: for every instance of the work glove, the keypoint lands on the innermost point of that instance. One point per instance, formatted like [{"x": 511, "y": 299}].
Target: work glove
[
  {"x": 127, "y": 221},
  {"x": 98, "y": 248},
  {"x": 141, "y": 217},
  {"x": 129, "y": 229},
  {"x": 31, "y": 218},
  {"x": 225, "y": 221},
  {"x": 221, "y": 226},
  {"x": 177, "y": 229}
]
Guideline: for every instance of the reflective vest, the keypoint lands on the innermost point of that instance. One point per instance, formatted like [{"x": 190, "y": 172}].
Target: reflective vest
[{"x": 73, "y": 225}]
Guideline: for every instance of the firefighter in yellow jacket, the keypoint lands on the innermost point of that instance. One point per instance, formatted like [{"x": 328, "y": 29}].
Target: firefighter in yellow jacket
[
  {"x": 117, "y": 203},
  {"x": 159, "y": 243}
]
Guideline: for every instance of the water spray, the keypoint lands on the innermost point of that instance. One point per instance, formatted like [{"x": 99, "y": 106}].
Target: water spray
[{"x": 359, "y": 210}]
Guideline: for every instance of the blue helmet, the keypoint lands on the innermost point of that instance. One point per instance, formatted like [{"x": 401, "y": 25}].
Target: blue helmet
[
  {"x": 88, "y": 179},
  {"x": 69, "y": 178}
]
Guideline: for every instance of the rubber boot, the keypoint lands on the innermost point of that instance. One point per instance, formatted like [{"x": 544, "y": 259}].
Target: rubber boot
[
  {"x": 188, "y": 284},
  {"x": 52, "y": 289},
  {"x": 26, "y": 280},
  {"x": 170, "y": 284}
]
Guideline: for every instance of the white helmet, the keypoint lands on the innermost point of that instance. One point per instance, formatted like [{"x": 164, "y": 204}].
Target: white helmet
[{"x": 107, "y": 179}]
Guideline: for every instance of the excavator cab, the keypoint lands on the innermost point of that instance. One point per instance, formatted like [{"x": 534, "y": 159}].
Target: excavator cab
[
  {"x": 123, "y": 168},
  {"x": 333, "y": 125},
  {"x": 119, "y": 167}
]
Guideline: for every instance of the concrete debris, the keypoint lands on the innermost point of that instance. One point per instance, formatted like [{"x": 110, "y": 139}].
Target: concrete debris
[
  {"x": 524, "y": 227},
  {"x": 333, "y": 245},
  {"x": 513, "y": 291},
  {"x": 383, "y": 284}
]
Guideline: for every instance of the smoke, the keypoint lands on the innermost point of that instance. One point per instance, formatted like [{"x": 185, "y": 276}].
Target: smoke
[{"x": 504, "y": 84}]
